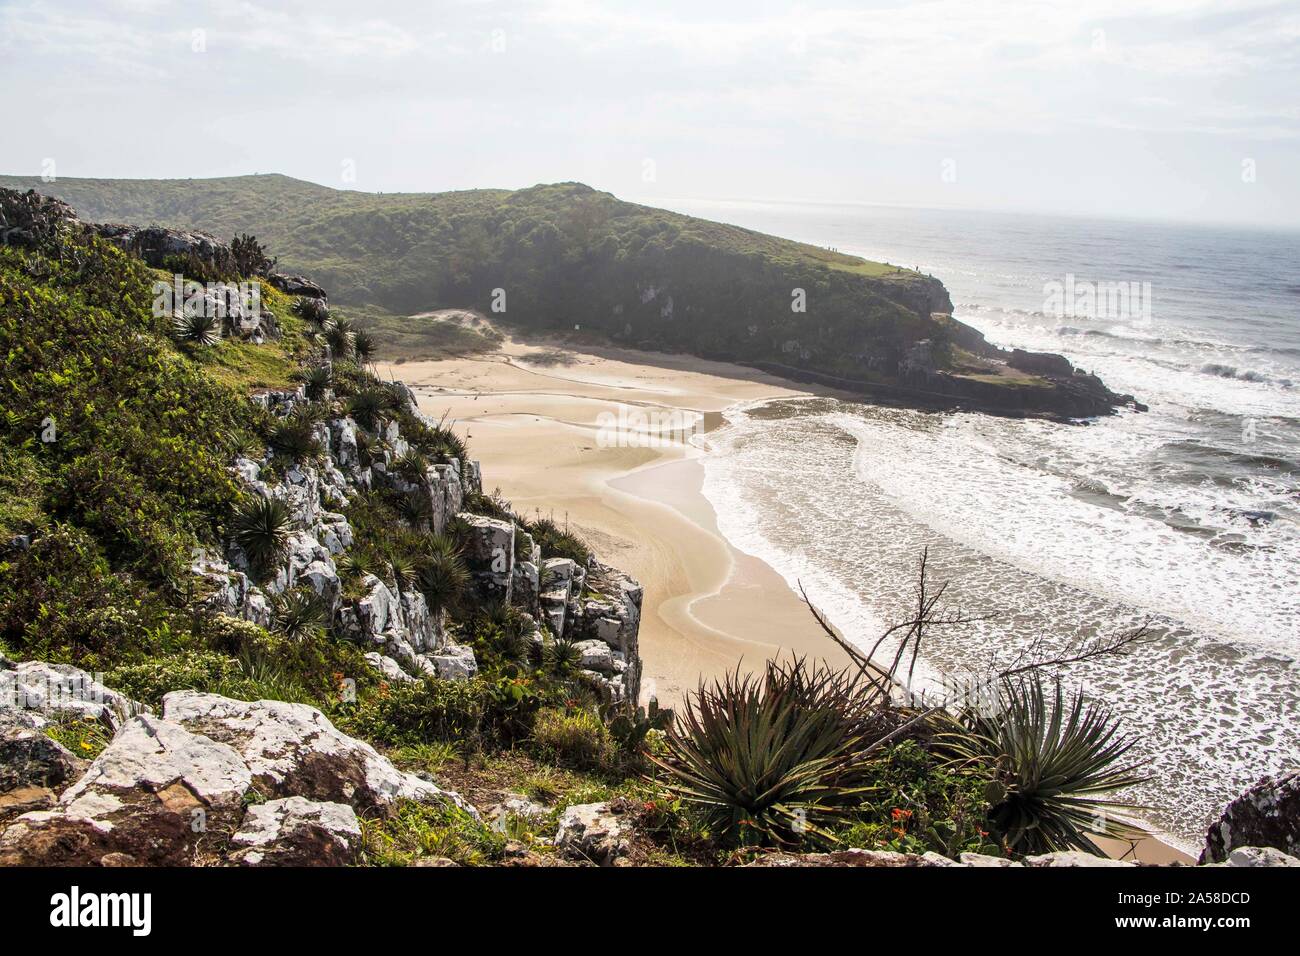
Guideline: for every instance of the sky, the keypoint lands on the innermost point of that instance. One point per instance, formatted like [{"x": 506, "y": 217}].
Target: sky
[{"x": 1166, "y": 109}]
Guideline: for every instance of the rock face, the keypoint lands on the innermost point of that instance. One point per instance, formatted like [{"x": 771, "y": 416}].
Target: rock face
[
  {"x": 63, "y": 689},
  {"x": 594, "y": 832},
  {"x": 294, "y": 750},
  {"x": 166, "y": 248},
  {"x": 1266, "y": 815},
  {"x": 30, "y": 759},
  {"x": 298, "y": 832},
  {"x": 152, "y": 795},
  {"x": 296, "y": 285}
]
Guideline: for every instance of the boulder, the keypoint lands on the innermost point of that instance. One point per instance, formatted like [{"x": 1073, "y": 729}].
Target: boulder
[
  {"x": 297, "y": 832},
  {"x": 490, "y": 555},
  {"x": 28, "y": 758},
  {"x": 63, "y": 689},
  {"x": 1258, "y": 856},
  {"x": 1266, "y": 815},
  {"x": 294, "y": 750},
  {"x": 596, "y": 656},
  {"x": 151, "y": 795},
  {"x": 1075, "y": 858},
  {"x": 296, "y": 285},
  {"x": 595, "y": 832},
  {"x": 455, "y": 662},
  {"x": 389, "y": 668}
]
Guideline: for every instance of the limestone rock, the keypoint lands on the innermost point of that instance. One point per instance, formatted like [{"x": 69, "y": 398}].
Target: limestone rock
[
  {"x": 152, "y": 795},
  {"x": 1266, "y": 815},
  {"x": 1258, "y": 856},
  {"x": 1069, "y": 858},
  {"x": 63, "y": 689},
  {"x": 28, "y": 758},
  {"x": 455, "y": 662},
  {"x": 297, "y": 832},
  {"x": 388, "y": 667},
  {"x": 595, "y": 832},
  {"x": 294, "y": 750},
  {"x": 490, "y": 555}
]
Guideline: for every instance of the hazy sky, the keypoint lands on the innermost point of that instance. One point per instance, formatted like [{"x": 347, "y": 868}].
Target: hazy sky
[{"x": 1146, "y": 108}]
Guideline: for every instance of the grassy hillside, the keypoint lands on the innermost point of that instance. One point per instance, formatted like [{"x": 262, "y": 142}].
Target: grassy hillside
[{"x": 565, "y": 255}]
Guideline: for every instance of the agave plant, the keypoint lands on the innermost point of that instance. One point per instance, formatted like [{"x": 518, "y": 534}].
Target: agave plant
[
  {"x": 561, "y": 656},
  {"x": 443, "y": 579},
  {"x": 368, "y": 407},
  {"x": 776, "y": 759},
  {"x": 261, "y": 528},
  {"x": 412, "y": 466},
  {"x": 314, "y": 311},
  {"x": 294, "y": 436},
  {"x": 299, "y": 614},
  {"x": 318, "y": 379},
  {"x": 1053, "y": 761},
  {"x": 415, "y": 508},
  {"x": 340, "y": 336},
  {"x": 364, "y": 346},
  {"x": 200, "y": 328}
]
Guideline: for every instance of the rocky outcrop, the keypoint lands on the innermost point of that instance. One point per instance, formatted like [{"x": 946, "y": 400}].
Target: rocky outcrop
[
  {"x": 294, "y": 750},
  {"x": 296, "y": 285},
  {"x": 31, "y": 759},
  {"x": 152, "y": 795},
  {"x": 297, "y": 832},
  {"x": 1266, "y": 815},
  {"x": 61, "y": 689},
  {"x": 172, "y": 248},
  {"x": 595, "y": 832}
]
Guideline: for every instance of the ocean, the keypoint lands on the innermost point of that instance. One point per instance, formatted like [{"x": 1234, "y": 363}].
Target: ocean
[{"x": 1187, "y": 516}]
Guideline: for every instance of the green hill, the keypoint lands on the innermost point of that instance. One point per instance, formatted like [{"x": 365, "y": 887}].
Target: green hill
[{"x": 564, "y": 255}]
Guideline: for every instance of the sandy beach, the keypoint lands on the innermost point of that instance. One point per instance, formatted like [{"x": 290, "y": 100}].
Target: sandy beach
[
  {"x": 539, "y": 419},
  {"x": 599, "y": 437}
]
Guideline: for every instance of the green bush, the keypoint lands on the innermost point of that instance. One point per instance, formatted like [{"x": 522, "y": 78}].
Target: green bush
[
  {"x": 149, "y": 681},
  {"x": 424, "y": 711},
  {"x": 577, "y": 739}
]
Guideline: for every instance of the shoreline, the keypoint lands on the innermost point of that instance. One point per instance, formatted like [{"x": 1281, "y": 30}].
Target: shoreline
[{"x": 532, "y": 414}]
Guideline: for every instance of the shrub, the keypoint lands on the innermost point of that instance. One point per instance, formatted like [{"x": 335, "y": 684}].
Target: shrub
[
  {"x": 197, "y": 329},
  {"x": 149, "y": 681},
  {"x": 577, "y": 739},
  {"x": 557, "y": 542},
  {"x": 294, "y": 436},
  {"x": 1053, "y": 762},
  {"x": 443, "y": 579},
  {"x": 261, "y": 527},
  {"x": 250, "y": 258},
  {"x": 425, "y": 711},
  {"x": 341, "y": 338},
  {"x": 363, "y": 346},
  {"x": 299, "y": 614},
  {"x": 776, "y": 759}
]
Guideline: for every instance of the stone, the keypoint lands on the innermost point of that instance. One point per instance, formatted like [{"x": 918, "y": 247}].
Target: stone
[
  {"x": 63, "y": 689},
  {"x": 984, "y": 860},
  {"x": 1258, "y": 856},
  {"x": 1072, "y": 858},
  {"x": 594, "y": 832},
  {"x": 28, "y": 758},
  {"x": 389, "y": 668},
  {"x": 152, "y": 794},
  {"x": 296, "y": 285},
  {"x": 297, "y": 832},
  {"x": 596, "y": 656},
  {"x": 853, "y": 857},
  {"x": 294, "y": 750},
  {"x": 490, "y": 555},
  {"x": 1266, "y": 815},
  {"x": 455, "y": 662}
]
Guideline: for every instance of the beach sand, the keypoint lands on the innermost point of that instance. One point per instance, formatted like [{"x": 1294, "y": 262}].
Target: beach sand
[
  {"x": 538, "y": 415},
  {"x": 533, "y": 417}
]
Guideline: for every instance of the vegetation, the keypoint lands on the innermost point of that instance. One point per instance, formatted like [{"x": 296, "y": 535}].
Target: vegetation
[{"x": 564, "y": 253}]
